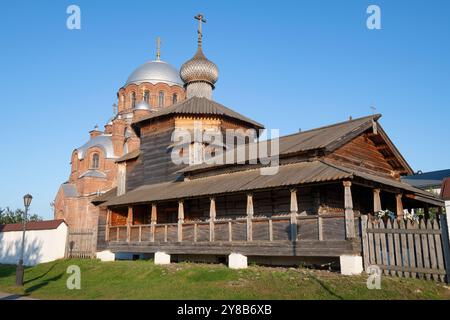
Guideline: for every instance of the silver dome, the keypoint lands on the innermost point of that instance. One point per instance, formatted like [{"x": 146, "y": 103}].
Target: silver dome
[
  {"x": 155, "y": 72},
  {"x": 143, "y": 105},
  {"x": 102, "y": 141}
]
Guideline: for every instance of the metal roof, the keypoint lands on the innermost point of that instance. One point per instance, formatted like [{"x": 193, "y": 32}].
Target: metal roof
[
  {"x": 155, "y": 72},
  {"x": 102, "y": 141},
  {"x": 425, "y": 180},
  {"x": 32, "y": 225},
  {"x": 200, "y": 106},
  {"x": 93, "y": 174},
  {"x": 130, "y": 155},
  {"x": 241, "y": 181}
]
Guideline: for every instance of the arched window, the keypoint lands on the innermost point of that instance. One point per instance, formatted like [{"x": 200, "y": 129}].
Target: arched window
[
  {"x": 161, "y": 99},
  {"x": 133, "y": 99},
  {"x": 95, "y": 164},
  {"x": 146, "y": 96},
  {"x": 174, "y": 98}
]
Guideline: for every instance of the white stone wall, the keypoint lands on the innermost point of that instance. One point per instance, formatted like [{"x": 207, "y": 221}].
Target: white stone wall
[{"x": 40, "y": 245}]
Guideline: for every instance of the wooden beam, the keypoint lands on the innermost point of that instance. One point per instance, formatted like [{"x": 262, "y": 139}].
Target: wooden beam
[
  {"x": 398, "y": 198},
  {"x": 212, "y": 217},
  {"x": 250, "y": 211},
  {"x": 108, "y": 223},
  {"x": 153, "y": 221},
  {"x": 180, "y": 220},
  {"x": 349, "y": 214},
  {"x": 129, "y": 222},
  {"x": 376, "y": 200},
  {"x": 294, "y": 211}
]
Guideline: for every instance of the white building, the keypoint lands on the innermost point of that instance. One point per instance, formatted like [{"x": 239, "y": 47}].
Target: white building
[{"x": 45, "y": 241}]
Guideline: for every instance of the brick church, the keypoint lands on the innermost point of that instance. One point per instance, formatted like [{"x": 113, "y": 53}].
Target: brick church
[{"x": 94, "y": 166}]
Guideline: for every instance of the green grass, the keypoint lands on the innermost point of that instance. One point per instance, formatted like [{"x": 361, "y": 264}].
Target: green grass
[{"x": 144, "y": 280}]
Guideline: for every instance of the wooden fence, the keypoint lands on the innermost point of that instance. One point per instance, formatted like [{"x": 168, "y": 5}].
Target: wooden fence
[
  {"x": 407, "y": 249},
  {"x": 81, "y": 244}
]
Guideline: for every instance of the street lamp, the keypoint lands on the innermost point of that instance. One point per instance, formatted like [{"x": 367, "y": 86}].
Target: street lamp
[{"x": 19, "y": 273}]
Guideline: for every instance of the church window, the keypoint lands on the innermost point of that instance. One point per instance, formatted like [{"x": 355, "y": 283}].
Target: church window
[
  {"x": 174, "y": 98},
  {"x": 146, "y": 96},
  {"x": 95, "y": 161},
  {"x": 161, "y": 99},
  {"x": 133, "y": 99}
]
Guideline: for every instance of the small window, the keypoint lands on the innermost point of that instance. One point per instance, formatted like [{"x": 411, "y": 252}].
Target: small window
[
  {"x": 95, "y": 161},
  {"x": 146, "y": 96},
  {"x": 161, "y": 99},
  {"x": 174, "y": 98},
  {"x": 133, "y": 100}
]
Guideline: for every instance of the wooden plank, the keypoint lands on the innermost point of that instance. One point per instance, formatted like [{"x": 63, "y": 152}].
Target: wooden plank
[
  {"x": 411, "y": 249},
  {"x": 411, "y": 270},
  {"x": 432, "y": 250},
  {"x": 397, "y": 250},
  {"x": 383, "y": 246},
  {"x": 404, "y": 231},
  {"x": 426, "y": 256},
  {"x": 378, "y": 258},
  {"x": 270, "y": 230},
  {"x": 439, "y": 252},
  {"x": 371, "y": 240},
  {"x": 230, "y": 231},
  {"x": 445, "y": 244},
  {"x": 418, "y": 247},
  {"x": 404, "y": 248},
  {"x": 365, "y": 241},
  {"x": 391, "y": 248}
]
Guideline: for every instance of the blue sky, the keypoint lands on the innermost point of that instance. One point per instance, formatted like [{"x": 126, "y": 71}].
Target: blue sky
[{"x": 287, "y": 64}]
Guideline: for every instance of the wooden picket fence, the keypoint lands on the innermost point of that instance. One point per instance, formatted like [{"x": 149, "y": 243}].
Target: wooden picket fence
[
  {"x": 407, "y": 249},
  {"x": 81, "y": 244}
]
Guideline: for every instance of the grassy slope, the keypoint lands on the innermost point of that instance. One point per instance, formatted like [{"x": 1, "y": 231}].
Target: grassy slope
[{"x": 144, "y": 280}]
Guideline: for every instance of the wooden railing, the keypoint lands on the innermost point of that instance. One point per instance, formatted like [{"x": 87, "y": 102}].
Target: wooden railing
[{"x": 258, "y": 228}]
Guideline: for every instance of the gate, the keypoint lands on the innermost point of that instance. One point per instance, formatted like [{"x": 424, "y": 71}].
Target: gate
[
  {"x": 81, "y": 244},
  {"x": 407, "y": 249}
]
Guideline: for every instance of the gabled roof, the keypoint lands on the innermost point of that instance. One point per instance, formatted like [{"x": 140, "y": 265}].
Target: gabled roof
[
  {"x": 325, "y": 139},
  {"x": 199, "y": 106},
  {"x": 33, "y": 225}
]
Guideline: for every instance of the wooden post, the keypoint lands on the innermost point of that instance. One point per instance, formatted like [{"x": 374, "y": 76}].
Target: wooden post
[
  {"x": 153, "y": 221},
  {"x": 230, "y": 231},
  {"x": 398, "y": 198},
  {"x": 376, "y": 201},
  {"x": 129, "y": 222},
  {"x": 108, "y": 223},
  {"x": 180, "y": 220},
  {"x": 349, "y": 214},
  {"x": 249, "y": 216},
  {"x": 294, "y": 210},
  {"x": 212, "y": 218}
]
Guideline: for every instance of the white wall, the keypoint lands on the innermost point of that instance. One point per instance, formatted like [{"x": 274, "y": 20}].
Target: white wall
[{"x": 40, "y": 245}]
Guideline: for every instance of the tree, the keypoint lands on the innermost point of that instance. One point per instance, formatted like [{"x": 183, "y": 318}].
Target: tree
[{"x": 8, "y": 216}]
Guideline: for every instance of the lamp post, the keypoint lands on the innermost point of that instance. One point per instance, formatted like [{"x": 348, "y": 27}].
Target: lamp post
[{"x": 19, "y": 272}]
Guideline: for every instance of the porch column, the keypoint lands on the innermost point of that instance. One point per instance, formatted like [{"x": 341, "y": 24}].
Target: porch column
[
  {"x": 180, "y": 220},
  {"x": 349, "y": 214},
  {"x": 249, "y": 217},
  {"x": 108, "y": 223},
  {"x": 129, "y": 222},
  {"x": 212, "y": 218},
  {"x": 153, "y": 220},
  {"x": 398, "y": 198},
  {"x": 294, "y": 211},
  {"x": 376, "y": 201}
]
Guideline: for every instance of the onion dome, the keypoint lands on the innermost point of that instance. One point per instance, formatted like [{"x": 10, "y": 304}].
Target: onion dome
[{"x": 199, "y": 74}]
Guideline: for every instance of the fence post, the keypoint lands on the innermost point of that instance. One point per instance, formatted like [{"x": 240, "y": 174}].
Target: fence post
[
  {"x": 365, "y": 241},
  {"x": 445, "y": 244}
]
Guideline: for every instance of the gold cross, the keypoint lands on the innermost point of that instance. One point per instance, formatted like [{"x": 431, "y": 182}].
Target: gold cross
[
  {"x": 158, "y": 48},
  {"x": 200, "y": 19}
]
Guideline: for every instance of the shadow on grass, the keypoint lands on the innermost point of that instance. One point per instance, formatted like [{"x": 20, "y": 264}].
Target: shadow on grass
[
  {"x": 324, "y": 286},
  {"x": 42, "y": 275},
  {"x": 42, "y": 284}
]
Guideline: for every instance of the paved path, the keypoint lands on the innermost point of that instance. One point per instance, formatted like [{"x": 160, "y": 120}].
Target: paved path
[{"x": 9, "y": 296}]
